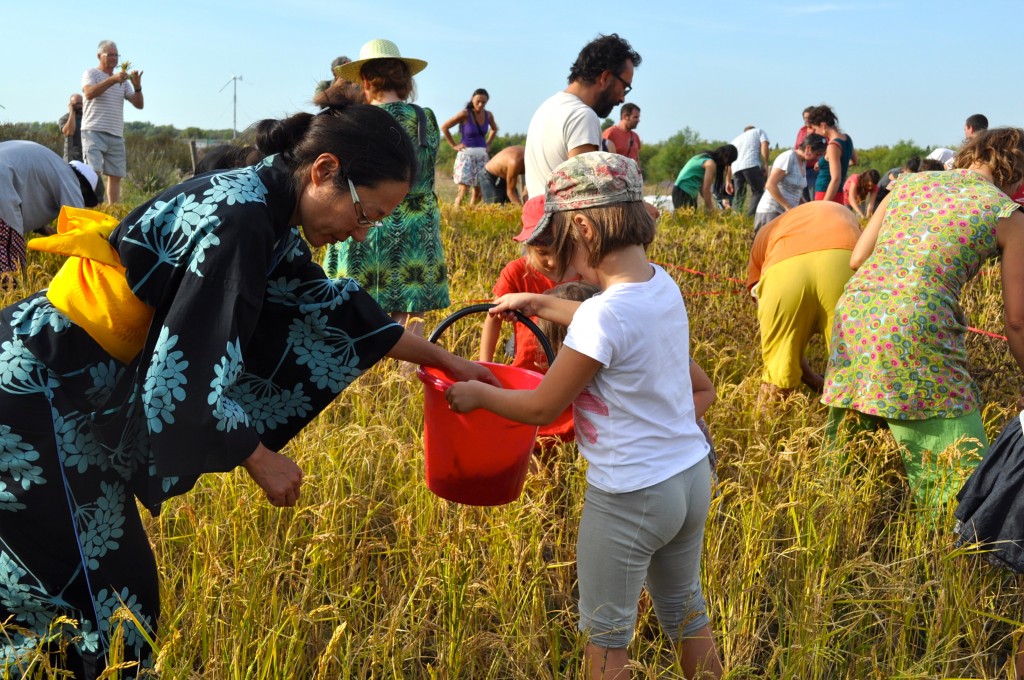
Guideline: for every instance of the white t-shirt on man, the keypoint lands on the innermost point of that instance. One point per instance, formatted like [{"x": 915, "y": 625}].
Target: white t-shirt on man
[
  {"x": 635, "y": 422},
  {"x": 105, "y": 113},
  {"x": 562, "y": 122},
  {"x": 748, "y": 149},
  {"x": 792, "y": 185}
]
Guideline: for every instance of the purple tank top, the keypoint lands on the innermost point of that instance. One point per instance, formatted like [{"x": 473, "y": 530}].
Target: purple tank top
[{"x": 473, "y": 134}]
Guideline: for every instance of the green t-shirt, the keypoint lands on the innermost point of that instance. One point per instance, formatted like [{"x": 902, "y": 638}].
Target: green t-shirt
[{"x": 691, "y": 177}]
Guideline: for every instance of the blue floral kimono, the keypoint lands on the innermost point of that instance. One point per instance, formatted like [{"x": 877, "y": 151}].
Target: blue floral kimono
[{"x": 249, "y": 342}]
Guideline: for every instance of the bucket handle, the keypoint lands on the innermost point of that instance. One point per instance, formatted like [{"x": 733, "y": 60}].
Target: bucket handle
[{"x": 483, "y": 307}]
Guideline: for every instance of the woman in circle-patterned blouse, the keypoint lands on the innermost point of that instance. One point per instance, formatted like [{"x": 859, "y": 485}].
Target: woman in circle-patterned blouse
[{"x": 898, "y": 351}]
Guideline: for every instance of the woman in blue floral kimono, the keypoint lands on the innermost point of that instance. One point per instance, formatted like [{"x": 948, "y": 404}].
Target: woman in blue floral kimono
[{"x": 195, "y": 336}]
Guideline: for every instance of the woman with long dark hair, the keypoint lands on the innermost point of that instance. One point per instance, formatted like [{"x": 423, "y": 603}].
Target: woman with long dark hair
[
  {"x": 861, "y": 190},
  {"x": 197, "y": 335},
  {"x": 832, "y": 168},
  {"x": 477, "y": 129},
  {"x": 700, "y": 176}
]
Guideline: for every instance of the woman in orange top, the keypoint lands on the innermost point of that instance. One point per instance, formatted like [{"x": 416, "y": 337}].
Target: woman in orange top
[{"x": 798, "y": 266}]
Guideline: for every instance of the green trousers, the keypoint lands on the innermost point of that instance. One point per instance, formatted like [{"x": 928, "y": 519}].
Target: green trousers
[{"x": 932, "y": 471}]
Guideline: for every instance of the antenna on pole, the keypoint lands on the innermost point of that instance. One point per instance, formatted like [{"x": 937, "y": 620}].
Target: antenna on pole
[{"x": 234, "y": 104}]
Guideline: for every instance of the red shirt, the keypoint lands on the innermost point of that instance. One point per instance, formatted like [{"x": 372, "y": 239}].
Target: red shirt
[
  {"x": 519, "y": 277},
  {"x": 627, "y": 142},
  {"x": 1019, "y": 196}
]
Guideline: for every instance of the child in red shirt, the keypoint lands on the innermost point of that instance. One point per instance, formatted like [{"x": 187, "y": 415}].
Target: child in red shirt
[{"x": 532, "y": 273}]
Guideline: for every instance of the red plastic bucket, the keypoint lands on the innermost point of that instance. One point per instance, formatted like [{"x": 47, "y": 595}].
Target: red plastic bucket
[{"x": 476, "y": 458}]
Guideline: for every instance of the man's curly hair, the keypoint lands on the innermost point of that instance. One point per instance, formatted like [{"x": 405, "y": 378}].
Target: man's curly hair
[{"x": 605, "y": 53}]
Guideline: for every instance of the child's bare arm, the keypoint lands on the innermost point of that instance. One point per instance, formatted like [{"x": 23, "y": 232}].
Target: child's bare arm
[
  {"x": 703, "y": 389},
  {"x": 563, "y": 382},
  {"x": 489, "y": 337},
  {"x": 547, "y": 307}
]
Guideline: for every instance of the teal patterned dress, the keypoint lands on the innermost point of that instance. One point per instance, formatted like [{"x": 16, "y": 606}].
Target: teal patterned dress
[
  {"x": 249, "y": 342},
  {"x": 401, "y": 263}
]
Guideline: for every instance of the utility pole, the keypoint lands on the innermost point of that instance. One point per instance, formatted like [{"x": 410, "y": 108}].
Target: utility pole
[{"x": 234, "y": 104}]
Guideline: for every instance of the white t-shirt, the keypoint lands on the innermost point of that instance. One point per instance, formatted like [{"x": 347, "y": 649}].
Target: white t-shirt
[
  {"x": 635, "y": 422},
  {"x": 105, "y": 113},
  {"x": 562, "y": 122},
  {"x": 792, "y": 185},
  {"x": 943, "y": 155},
  {"x": 748, "y": 149}
]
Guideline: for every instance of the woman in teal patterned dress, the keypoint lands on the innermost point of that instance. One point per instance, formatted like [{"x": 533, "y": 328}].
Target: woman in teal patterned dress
[
  {"x": 214, "y": 341},
  {"x": 898, "y": 352},
  {"x": 401, "y": 264}
]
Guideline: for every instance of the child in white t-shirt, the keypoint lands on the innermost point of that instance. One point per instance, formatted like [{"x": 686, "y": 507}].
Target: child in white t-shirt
[{"x": 625, "y": 367}]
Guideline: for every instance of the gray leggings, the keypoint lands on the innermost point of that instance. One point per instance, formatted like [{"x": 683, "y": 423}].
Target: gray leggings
[{"x": 655, "y": 533}]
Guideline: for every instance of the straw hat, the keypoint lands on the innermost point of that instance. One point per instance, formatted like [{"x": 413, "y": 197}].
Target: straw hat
[{"x": 378, "y": 48}]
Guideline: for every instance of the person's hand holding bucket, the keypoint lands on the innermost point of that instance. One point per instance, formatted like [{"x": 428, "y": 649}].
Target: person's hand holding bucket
[
  {"x": 476, "y": 458},
  {"x": 466, "y": 398},
  {"x": 466, "y": 370},
  {"x": 506, "y": 306}
]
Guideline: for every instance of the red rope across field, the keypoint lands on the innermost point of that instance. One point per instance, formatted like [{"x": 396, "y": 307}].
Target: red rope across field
[
  {"x": 700, "y": 273},
  {"x": 988, "y": 333},
  {"x": 742, "y": 283}
]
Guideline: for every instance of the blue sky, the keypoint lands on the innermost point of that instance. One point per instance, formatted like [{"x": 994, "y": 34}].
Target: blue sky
[{"x": 891, "y": 70}]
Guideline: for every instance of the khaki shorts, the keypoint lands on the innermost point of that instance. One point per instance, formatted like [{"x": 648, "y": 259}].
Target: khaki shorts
[{"x": 105, "y": 153}]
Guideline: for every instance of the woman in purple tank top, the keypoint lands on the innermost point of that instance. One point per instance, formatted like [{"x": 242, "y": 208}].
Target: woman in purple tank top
[{"x": 477, "y": 128}]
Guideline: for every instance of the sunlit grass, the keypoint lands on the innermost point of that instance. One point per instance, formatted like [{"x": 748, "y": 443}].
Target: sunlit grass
[{"x": 816, "y": 565}]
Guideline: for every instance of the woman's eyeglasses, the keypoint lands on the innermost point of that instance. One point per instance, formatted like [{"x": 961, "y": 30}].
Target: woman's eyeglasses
[{"x": 361, "y": 217}]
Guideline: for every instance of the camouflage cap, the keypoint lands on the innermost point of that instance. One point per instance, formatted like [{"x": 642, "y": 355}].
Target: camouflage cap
[{"x": 589, "y": 180}]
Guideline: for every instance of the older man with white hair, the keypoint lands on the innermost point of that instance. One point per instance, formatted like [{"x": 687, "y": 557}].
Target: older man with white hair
[{"x": 103, "y": 121}]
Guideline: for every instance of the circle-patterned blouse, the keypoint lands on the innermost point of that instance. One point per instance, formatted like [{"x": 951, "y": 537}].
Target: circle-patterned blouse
[{"x": 898, "y": 347}]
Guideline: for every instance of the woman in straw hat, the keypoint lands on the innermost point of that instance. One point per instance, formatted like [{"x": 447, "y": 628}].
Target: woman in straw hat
[{"x": 401, "y": 263}]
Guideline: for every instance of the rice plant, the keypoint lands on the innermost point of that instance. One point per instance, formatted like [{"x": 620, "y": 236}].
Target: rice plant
[{"x": 816, "y": 565}]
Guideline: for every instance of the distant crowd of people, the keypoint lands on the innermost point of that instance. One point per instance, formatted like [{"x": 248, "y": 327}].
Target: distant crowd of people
[{"x": 202, "y": 317}]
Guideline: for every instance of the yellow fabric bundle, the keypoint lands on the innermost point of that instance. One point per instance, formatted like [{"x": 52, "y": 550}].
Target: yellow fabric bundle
[{"x": 91, "y": 287}]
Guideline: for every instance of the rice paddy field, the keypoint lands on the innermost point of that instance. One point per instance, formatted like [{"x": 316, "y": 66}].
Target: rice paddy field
[{"x": 813, "y": 568}]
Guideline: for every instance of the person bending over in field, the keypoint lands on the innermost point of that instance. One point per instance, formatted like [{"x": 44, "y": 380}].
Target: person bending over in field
[
  {"x": 798, "y": 266},
  {"x": 701, "y": 176},
  {"x": 898, "y": 357},
  {"x": 787, "y": 180},
  {"x": 861, "y": 190},
  {"x": 991, "y": 508},
  {"x": 205, "y": 340}
]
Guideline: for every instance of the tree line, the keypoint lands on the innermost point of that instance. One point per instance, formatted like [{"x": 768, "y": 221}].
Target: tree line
[{"x": 159, "y": 153}]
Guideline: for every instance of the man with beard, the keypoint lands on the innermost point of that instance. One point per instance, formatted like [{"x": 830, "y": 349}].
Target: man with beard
[
  {"x": 622, "y": 135},
  {"x": 569, "y": 123}
]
